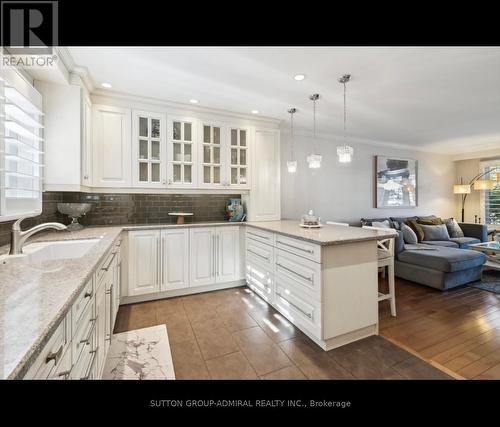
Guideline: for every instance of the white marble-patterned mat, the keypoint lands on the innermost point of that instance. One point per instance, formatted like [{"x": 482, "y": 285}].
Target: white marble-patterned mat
[{"x": 141, "y": 354}]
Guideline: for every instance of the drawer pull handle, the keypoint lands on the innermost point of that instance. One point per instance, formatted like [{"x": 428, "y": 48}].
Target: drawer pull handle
[
  {"x": 259, "y": 255},
  {"x": 295, "y": 306},
  {"x": 258, "y": 235},
  {"x": 109, "y": 263},
  {"x": 55, "y": 356},
  {"x": 108, "y": 292},
  {"x": 119, "y": 243},
  {"x": 64, "y": 374},
  {"x": 308, "y": 278},
  {"x": 88, "y": 294},
  {"x": 295, "y": 247},
  {"x": 87, "y": 340}
]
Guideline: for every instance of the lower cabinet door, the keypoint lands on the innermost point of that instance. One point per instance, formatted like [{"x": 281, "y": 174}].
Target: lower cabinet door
[
  {"x": 202, "y": 251},
  {"x": 143, "y": 258},
  {"x": 174, "y": 259},
  {"x": 228, "y": 253}
]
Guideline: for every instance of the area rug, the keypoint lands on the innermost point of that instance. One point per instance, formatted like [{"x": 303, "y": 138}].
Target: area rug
[
  {"x": 141, "y": 354},
  {"x": 489, "y": 282}
]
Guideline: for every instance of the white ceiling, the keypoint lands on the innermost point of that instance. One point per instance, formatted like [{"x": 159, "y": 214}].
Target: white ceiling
[{"x": 446, "y": 99}]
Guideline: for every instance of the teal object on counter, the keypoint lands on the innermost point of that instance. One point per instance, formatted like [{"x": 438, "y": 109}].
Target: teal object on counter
[{"x": 234, "y": 210}]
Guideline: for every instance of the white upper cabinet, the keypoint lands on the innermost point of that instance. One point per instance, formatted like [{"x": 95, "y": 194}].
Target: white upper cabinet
[
  {"x": 212, "y": 155},
  {"x": 149, "y": 149},
  {"x": 111, "y": 146},
  {"x": 264, "y": 199},
  {"x": 238, "y": 155},
  {"x": 182, "y": 148}
]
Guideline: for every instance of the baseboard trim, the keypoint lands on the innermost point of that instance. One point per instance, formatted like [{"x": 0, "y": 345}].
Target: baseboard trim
[{"x": 180, "y": 292}]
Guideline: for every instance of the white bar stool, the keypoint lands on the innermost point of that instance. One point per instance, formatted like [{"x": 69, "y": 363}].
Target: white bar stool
[{"x": 385, "y": 251}]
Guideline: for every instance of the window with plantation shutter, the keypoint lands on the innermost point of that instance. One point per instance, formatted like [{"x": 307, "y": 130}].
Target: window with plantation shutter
[{"x": 492, "y": 197}]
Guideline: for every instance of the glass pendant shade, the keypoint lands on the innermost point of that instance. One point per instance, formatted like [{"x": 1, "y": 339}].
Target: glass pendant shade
[
  {"x": 483, "y": 184},
  {"x": 314, "y": 161},
  {"x": 345, "y": 154},
  {"x": 461, "y": 189},
  {"x": 291, "y": 166}
]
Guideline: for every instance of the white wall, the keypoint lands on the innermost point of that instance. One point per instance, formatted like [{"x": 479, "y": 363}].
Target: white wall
[{"x": 347, "y": 192}]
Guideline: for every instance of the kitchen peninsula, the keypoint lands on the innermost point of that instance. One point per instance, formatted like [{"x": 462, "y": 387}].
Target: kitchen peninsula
[{"x": 322, "y": 280}]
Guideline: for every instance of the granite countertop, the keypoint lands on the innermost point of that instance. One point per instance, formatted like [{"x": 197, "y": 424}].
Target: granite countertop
[
  {"x": 324, "y": 236},
  {"x": 34, "y": 298}
]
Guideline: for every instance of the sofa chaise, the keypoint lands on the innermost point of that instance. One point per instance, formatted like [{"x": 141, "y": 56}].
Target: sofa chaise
[{"x": 449, "y": 264}]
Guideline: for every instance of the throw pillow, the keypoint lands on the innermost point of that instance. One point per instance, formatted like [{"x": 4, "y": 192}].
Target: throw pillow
[
  {"x": 409, "y": 235},
  {"x": 430, "y": 221},
  {"x": 383, "y": 224},
  {"x": 416, "y": 227},
  {"x": 435, "y": 232},
  {"x": 454, "y": 229}
]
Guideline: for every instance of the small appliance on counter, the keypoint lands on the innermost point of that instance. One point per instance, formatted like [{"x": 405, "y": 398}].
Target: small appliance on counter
[
  {"x": 74, "y": 211},
  {"x": 235, "y": 210},
  {"x": 310, "y": 220}
]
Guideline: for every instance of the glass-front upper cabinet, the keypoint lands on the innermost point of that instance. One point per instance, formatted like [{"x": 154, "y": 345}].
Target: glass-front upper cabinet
[
  {"x": 181, "y": 151},
  {"x": 239, "y": 141},
  {"x": 149, "y": 149},
  {"x": 212, "y": 152}
]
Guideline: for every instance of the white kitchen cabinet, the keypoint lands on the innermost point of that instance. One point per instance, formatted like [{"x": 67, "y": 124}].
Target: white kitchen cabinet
[
  {"x": 203, "y": 256},
  {"x": 238, "y": 154},
  {"x": 182, "y": 146},
  {"x": 111, "y": 146},
  {"x": 100, "y": 327},
  {"x": 143, "y": 262},
  {"x": 264, "y": 200},
  {"x": 174, "y": 259},
  {"x": 212, "y": 155},
  {"x": 228, "y": 253},
  {"x": 215, "y": 255},
  {"x": 149, "y": 150}
]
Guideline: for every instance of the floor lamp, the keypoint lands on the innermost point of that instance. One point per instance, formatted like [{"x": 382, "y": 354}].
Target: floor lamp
[{"x": 479, "y": 184}]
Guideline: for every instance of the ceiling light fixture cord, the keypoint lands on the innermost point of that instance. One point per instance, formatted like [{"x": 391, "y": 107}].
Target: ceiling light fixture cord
[
  {"x": 291, "y": 127},
  {"x": 345, "y": 113}
]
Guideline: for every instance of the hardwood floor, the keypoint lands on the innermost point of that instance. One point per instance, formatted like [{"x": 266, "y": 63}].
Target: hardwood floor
[
  {"x": 233, "y": 334},
  {"x": 457, "y": 330}
]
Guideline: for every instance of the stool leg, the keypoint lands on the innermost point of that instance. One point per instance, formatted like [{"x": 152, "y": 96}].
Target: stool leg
[{"x": 392, "y": 289}]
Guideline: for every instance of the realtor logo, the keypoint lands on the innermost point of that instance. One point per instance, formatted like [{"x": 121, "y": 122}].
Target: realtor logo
[{"x": 29, "y": 28}]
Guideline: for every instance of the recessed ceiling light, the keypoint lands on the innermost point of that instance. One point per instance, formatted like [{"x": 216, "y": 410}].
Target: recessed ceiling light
[
  {"x": 299, "y": 77},
  {"x": 106, "y": 85},
  {"x": 255, "y": 111},
  {"x": 194, "y": 101}
]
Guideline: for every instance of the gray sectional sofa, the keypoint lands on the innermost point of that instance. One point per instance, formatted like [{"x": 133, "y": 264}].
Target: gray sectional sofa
[{"x": 448, "y": 265}]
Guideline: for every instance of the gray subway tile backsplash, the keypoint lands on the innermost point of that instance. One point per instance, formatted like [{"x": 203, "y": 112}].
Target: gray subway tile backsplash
[{"x": 111, "y": 208}]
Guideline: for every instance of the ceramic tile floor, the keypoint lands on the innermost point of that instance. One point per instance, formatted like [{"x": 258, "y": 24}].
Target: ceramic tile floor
[{"x": 233, "y": 334}]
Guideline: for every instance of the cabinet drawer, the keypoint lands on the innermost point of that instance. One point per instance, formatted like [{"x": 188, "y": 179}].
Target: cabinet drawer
[
  {"x": 304, "y": 272},
  {"x": 299, "y": 247},
  {"x": 82, "y": 338},
  {"x": 260, "y": 235},
  {"x": 264, "y": 253},
  {"x": 51, "y": 354},
  {"x": 260, "y": 279},
  {"x": 297, "y": 307},
  {"x": 86, "y": 295}
]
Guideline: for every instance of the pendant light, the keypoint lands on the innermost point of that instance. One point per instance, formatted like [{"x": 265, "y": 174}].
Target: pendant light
[
  {"x": 314, "y": 159},
  {"x": 345, "y": 152},
  {"x": 291, "y": 164}
]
